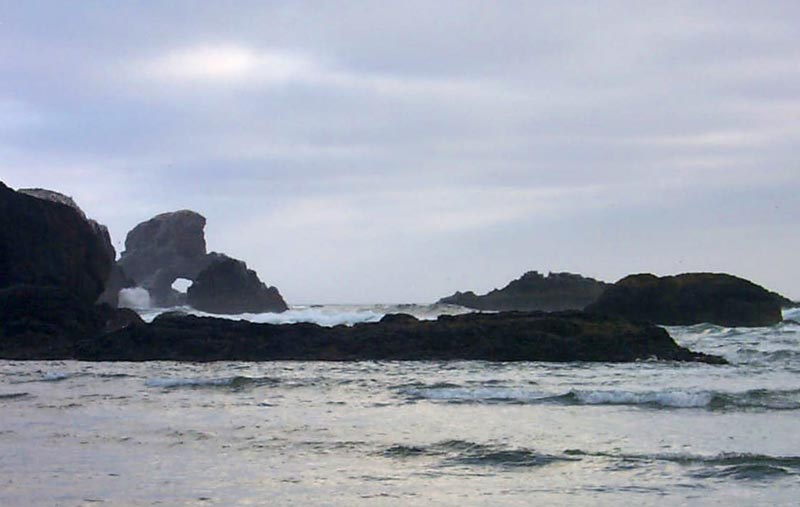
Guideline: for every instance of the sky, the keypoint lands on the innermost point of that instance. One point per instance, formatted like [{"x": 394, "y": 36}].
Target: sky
[{"x": 393, "y": 152}]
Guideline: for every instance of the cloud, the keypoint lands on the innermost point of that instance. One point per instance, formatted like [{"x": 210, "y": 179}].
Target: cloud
[
  {"x": 238, "y": 65},
  {"x": 229, "y": 64},
  {"x": 345, "y": 148}
]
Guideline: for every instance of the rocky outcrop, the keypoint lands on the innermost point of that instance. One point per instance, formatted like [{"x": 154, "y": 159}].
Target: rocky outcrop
[
  {"x": 47, "y": 322},
  {"x": 47, "y": 242},
  {"x": 226, "y": 286},
  {"x": 161, "y": 250},
  {"x": 116, "y": 279},
  {"x": 173, "y": 245},
  {"x": 511, "y": 336},
  {"x": 690, "y": 298},
  {"x": 534, "y": 291}
]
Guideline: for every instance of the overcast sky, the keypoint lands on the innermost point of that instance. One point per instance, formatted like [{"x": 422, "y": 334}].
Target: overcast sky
[{"x": 397, "y": 152}]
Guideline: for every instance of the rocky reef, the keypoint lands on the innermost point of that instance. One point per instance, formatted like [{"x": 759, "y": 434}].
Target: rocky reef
[
  {"x": 226, "y": 286},
  {"x": 45, "y": 322},
  {"x": 64, "y": 328},
  {"x": 691, "y": 298},
  {"x": 534, "y": 291}
]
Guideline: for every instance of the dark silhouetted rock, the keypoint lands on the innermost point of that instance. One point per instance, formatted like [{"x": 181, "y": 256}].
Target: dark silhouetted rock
[
  {"x": 116, "y": 279},
  {"x": 47, "y": 242},
  {"x": 161, "y": 250},
  {"x": 533, "y": 291},
  {"x": 509, "y": 336},
  {"x": 47, "y": 322},
  {"x": 690, "y": 298},
  {"x": 100, "y": 230},
  {"x": 226, "y": 286}
]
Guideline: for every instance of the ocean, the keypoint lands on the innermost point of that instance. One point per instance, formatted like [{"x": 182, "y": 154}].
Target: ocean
[{"x": 409, "y": 433}]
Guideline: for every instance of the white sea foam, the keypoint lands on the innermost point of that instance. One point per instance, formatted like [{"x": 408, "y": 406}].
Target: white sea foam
[
  {"x": 323, "y": 315},
  {"x": 791, "y": 314},
  {"x": 136, "y": 298}
]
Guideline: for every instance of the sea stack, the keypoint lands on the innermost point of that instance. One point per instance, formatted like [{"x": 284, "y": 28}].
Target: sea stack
[
  {"x": 691, "y": 298},
  {"x": 172, "y": 245},
  {"x": 534, "y": 291}
]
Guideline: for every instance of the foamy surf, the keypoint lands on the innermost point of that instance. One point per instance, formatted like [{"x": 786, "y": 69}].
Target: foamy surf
[{"x": 323, "y": 315}]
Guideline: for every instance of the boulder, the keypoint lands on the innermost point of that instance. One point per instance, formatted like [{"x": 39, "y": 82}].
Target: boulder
[
  {"x": 534, "y": 291},
  {"x": 161, "y": 250},
  {"x": 690, "y": 298},
  {"x": 226, "y": 286},
  {"x": 46, "y": 240}
]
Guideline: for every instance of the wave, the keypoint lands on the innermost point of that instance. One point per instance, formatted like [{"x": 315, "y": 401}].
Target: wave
[
  {"x": 233, "y": 383},
  {"x": 738, "y": 466},
  {"x": 14, "y": 396},
  {"x": 756, "y": 399},
  {"x": 455, "y": 394},
  {"x": 464, "y": 453},
  {"x": 461, "y": 453}
]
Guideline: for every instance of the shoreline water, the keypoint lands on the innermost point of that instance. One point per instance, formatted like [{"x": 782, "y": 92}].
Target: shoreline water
[{"x": 388, "y": 433}]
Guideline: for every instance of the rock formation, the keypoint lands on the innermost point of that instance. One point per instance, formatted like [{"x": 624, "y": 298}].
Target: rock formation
[
  {"x": 39, "y": 322},
  {"x": 161, "y": 250},
  {"x": 691, "y": 298},
  {"x": 226, "y": 286},
  {"x": 510, "y": 336},
  {"x": 533, "y": 291},
  {"x": 47, "y": 242},
  {"x": 116, "y": 279},
  {"x": 171, "y": 246}
]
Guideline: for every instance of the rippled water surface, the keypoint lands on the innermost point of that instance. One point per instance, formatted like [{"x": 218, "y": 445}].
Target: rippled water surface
[{"x": 413, "y": 433}]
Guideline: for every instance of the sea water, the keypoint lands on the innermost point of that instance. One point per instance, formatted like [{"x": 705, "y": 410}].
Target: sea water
[{"x": 409, "y": 433}]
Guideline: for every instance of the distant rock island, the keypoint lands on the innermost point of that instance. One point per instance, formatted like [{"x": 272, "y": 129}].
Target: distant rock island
[
  {"x": 692, "y": 298},
  {"x": 534, "y": 291}
]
